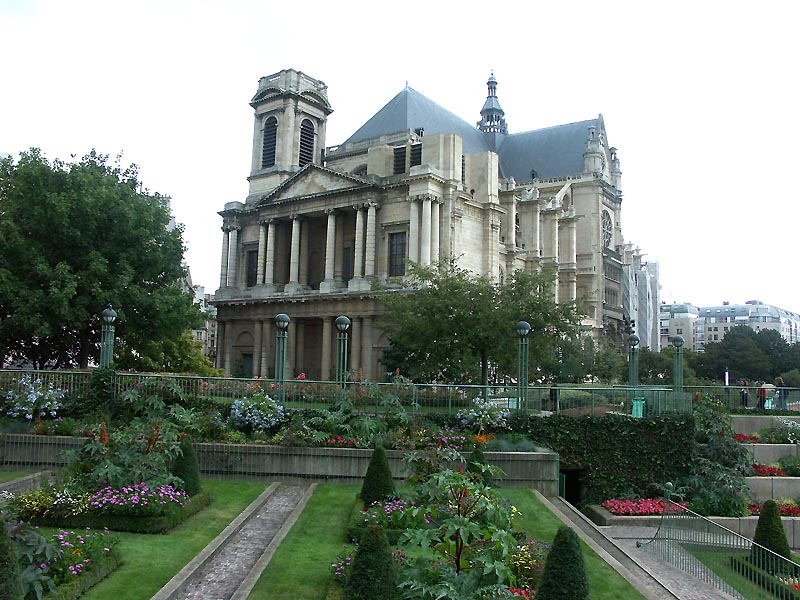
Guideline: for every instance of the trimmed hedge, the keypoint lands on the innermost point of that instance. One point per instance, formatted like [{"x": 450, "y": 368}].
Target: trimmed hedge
[
  {"x": 356, "y": 528},
  {"x": 623, "y": 455},
  {"x": 762, "y": 578},
  {"x": 133, "y": 524},
  {"x": 378, "y": 482},
  {"x": 75, "y": 588}
]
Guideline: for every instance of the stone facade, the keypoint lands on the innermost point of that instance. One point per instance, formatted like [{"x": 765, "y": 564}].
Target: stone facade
[{"x": 321, "y": 225}]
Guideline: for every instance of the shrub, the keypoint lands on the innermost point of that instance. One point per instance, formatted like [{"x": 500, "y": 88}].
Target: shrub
[
  {"x": 372, "y": 574},
  {"x": 33, "y": 399},
  {"x": 10, "y": 580},
  {"x": 790, "y": 464},
  {"x": 257, "y": 414},
  {"x": 482, "y": 415},
  {"x": 477, "y": 464},
  {"x": 564, "y": 576},
  {"x": 378, "y": 482},
  {"x": 770, "y": 536},
  {"x": 186, "y": 467},
  {"x": 527, "y": 563}
]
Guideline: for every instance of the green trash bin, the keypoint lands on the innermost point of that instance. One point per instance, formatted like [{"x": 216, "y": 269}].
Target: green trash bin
[{"x": 637, "y": 411}]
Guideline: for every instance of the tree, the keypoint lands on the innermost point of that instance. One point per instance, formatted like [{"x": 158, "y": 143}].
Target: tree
[
  {"x": 73, "y": 238},
  {"x": 610, "y": 366},
  {"x": 373, "y": 575},
  {"x": 378, "y": 485},
  {"x": 453, "y": 325},
  {"x": 770, "y": 539},
  {"x": 738, "y": 353},
  {"x": 564, "y": 576}
]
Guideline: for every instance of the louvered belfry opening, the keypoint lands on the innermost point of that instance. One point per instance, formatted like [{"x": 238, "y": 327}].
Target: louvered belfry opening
[
  {"x": 399, "y": 160},
  {"x": 416, "y": 155},
  {"x": 269, "y": 143},
  {"x": 306, "y": 142}
]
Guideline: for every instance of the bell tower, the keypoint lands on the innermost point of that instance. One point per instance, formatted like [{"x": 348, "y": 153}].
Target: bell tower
[{"x": 291, "y": 112}]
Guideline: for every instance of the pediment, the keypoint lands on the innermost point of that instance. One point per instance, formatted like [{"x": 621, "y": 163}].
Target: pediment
[{"x": 314, "y": 181}]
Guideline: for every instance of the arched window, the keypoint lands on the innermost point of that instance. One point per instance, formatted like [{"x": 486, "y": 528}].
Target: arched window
[
  {"x": 306, "y": 142},
  {"x": 268, "y": 144}
]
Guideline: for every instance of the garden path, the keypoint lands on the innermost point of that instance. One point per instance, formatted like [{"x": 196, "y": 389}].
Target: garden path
[{"x": 229, "y": 567}]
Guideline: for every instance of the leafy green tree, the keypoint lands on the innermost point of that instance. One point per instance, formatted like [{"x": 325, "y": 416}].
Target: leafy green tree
[
  {"x": 73, "y": 238},
  {"x": 738, "y": 353},
  {"x": 182, "y": 354},
  {"x": 453, "y": 325},
  {"x": 610, "y": 366},
  {"x": 655, "y": 368}
]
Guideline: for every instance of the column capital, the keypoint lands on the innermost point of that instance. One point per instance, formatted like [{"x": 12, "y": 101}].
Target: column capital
[
  {"x": 423, "y": 197},
  {"x": 330, "y": 211},
  {"x": 358, "y": 207},
  {"x": 265, "y": 221},
  {"x": 372, "y": 204}
]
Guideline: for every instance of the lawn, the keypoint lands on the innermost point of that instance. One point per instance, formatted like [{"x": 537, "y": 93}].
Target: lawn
[
  {"x": 300, "y": 568},
  {"x": 10, "y": 475},
  {"x": 150, "y": 561}
]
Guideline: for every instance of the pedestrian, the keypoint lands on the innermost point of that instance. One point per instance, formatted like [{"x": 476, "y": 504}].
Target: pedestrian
[
  {"x": 761, "y": 393},
  {"x": 781, "y": 394},
  {"x": 744, "y": 393}
]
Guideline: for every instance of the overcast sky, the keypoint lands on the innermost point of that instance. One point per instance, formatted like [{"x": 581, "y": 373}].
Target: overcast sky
[{"x": 699, "y": 98}]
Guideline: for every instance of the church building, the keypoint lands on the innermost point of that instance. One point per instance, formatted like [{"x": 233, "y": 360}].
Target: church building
[{"x": 417, "y": 184}]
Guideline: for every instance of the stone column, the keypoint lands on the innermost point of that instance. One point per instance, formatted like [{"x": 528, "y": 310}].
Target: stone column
[
  {"x": 413, "y": 231},
  {"x": 330, "y": 254},
  {"x": 366, "y": 347},
  {"x": 435, "y": 209},
  {"x": 355, "y": 344},
  {"x": 220, "y": 361},
  {"x": 266, "y": 344},
  {"x": 358, "y": 267},
  {"x": 291, "y": 348},
  {"x": 228, "y": 350},
  {"x": 300, "y": 349},
  {"x": 257, "y": 341},
  {"x": 327, "y": 344},
  {"x": 294, "y": 258},
  {"x": 233, "y": 255},
  {"x": 223, "y": 270},
  {"x": 262, "y": 249},
  {"x": 369, "y": 260},
  {"x": 269, "y": 270},
  {"x": 305, "y": 244},
  {"x": 425, "y": 242}
]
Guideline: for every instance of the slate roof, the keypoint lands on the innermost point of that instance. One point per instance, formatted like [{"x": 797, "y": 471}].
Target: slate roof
[{"x": 551, "y": 152}]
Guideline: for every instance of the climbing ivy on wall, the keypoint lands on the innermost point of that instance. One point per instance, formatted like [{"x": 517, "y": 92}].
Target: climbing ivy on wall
[{"x": 619, "y": 455}]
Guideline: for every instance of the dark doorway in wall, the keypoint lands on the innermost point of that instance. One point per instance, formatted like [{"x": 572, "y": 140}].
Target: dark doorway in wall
[{"x": 573, "y": 479}]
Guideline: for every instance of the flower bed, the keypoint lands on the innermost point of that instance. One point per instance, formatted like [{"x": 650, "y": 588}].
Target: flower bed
[
  {"x": 768, "y": 471},
  {"x": 639, "y": 508},
  {"x": 787, "y": 509},
  {"x": 132, "y": 518}
]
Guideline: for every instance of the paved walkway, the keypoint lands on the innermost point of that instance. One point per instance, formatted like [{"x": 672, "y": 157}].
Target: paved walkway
[{"x": 229, "y": 567}]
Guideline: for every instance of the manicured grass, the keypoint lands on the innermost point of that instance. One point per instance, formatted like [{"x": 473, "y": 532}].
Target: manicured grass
[
  {"x": 541, "y": 524},
  {"x": 11, "y": 475},
  {"x": 150, "y": 561},
  {"x": 719, "y": 562},
  {"x": 301, "y": 566}
]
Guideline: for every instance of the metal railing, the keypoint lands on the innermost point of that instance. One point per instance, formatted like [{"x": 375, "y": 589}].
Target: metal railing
[
  {"x": 571, "y": 400},
  {"x": 731, "y": 396},
  {"x": 722, "y": 558}
]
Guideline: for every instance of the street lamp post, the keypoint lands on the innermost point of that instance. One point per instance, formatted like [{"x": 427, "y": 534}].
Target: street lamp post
[
  {"x": 109, "y": 315},
  {"x": 342, "y": 325},
  {"x": 523, "y": 329},
  {"x": 633, "y": 360},
  {"x": 677, "y": 371},
  {"x": 281, "y": 324}
]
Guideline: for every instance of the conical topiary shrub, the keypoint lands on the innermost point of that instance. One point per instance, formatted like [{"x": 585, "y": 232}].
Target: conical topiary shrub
[
  {"x": 10, "y": 580},
  {"x": 187, "y": 469},
  {"x": 378, "y": 482},
  {"x": 476, "y": 460},
  {"x": 564, "y": 576},
  {"x": 372, "y": 575},
  {"x": 770, "y": 535}
]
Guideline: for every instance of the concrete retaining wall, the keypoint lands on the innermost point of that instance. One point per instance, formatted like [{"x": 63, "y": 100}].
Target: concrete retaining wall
[
  {"x": 750, "y": 424},
  {"x": 538, "y": 470}
]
